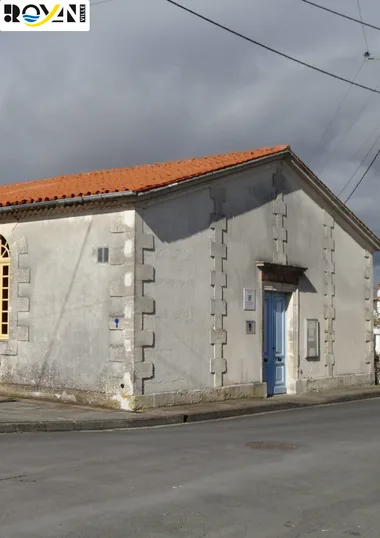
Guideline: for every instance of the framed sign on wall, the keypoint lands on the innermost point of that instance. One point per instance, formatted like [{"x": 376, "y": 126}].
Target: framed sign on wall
[
  {"x": 249, "y": 299},
  {"x": 312, "y": 339}
]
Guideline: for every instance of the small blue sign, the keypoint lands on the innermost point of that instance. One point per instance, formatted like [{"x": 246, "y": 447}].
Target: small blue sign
[{"x": 117, "y": 323}]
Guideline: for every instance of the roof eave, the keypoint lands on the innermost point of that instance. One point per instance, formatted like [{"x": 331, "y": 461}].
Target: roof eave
[{"x": 64, "y": 202}]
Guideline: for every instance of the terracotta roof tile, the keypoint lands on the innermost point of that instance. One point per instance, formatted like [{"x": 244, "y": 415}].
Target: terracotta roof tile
[{"x": 136, "y": 179}]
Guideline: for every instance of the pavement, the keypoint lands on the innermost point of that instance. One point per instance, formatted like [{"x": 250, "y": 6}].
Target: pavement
[
  {"x": 18, "y": 415},
  {"x": 305, "y": 473}
]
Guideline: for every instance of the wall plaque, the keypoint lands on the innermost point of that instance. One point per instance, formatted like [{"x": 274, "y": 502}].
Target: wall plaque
[
  {"x": 249, "y": 299},
  {"x": 312, "y": 339}
]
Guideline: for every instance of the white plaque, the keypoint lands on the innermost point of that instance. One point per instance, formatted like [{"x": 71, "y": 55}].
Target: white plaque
[
  {"x": 249, "y": 299},
  {"x": 312, "y": 339}
]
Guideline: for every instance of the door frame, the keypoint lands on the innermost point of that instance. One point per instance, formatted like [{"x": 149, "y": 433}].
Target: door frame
[
  {"x": 292, "y": 360},
  {"x": 273, "y": 300}
]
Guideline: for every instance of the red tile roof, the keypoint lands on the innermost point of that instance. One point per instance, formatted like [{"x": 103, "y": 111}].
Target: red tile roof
[{"x": 135, "y": 179}]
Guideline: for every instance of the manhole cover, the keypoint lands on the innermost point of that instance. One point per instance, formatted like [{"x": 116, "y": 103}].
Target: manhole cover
[{"x": 267, "y": 445}]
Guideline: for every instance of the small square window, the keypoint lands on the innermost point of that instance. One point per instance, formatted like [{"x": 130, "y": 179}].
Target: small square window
[{"x": 103, "y": 255}]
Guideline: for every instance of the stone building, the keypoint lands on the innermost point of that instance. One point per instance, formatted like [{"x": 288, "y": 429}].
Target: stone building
[{"x": 231, "y": 276}]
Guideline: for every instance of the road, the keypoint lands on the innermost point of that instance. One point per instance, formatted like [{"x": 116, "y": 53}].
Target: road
[{"x": 199, "y": 480}]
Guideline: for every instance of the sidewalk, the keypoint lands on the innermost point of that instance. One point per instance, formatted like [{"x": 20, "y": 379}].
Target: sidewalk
[{"x": 18, "y": 415}]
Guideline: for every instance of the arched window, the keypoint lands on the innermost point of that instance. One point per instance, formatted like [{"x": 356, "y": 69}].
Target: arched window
[{"x": 5, "y": 271}]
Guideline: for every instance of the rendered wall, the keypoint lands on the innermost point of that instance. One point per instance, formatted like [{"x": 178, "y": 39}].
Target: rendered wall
[
  {"x": 181, "y": 292},
  {"x": 207, "y": 244},
  {"x": 66, "y": 303}
]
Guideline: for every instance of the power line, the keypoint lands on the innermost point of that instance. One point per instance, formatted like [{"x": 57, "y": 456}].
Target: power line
[
  {"x": 363, "y": 27},
  {"x": 341, "y": 15},
  {"x": 365, "y": 142},
  {"x": 347, "y": 132},
  {"x": 246, "y": 38},
  {"x": 363, "y": 176},
  {"x": 337, "y": 111},
  {"x": 358, "y": 168}
]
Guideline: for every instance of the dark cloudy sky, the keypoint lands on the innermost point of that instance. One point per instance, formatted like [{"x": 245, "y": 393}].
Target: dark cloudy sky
[{"x": 151, "y": 83}]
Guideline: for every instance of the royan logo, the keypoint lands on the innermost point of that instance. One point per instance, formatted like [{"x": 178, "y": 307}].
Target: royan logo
[
  {"x": 32, "y": 14},
  {"x": 45, "y": 16}
]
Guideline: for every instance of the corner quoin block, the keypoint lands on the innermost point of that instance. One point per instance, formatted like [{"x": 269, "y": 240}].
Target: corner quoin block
[
  {"x": 218, "y": 283},
  {"x": 121, "y": 260},
  {"x": 368, "y": 310},
  {"x": 144, "y": 306},
  {"x": 280, "y": 212},
  {"x": 329, "y": 292}
]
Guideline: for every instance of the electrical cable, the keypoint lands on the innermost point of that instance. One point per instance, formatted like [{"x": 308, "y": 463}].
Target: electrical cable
[
  {"x": 279, "y": 53},
  {"x": 365, "y": 142},
  {"x": 363, "y": 28},
  {"x": 341, "y": 15},
  {"x": 347, "y": 132},
  {"x": 337, "y": 111},
  {"x": 358, "y": 168},
  {"x": 363, "y": 176}
]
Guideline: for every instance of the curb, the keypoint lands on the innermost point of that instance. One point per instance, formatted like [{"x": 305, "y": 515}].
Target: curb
[
  {"x": 89, "y": 424},
  {"x": 180, "y": 418}
]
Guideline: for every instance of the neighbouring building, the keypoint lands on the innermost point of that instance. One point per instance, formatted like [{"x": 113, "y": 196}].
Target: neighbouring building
[{"x": 232, "y": 276}]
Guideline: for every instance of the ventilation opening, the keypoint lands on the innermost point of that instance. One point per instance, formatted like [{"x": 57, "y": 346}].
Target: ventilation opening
[{"x": 103, "y": 255}]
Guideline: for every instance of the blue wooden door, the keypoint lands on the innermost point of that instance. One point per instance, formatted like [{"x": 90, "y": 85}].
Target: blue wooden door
[{"x": 274, "y": 343}]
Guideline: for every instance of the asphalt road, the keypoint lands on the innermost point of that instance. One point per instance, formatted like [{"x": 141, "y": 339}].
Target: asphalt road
[{"x": 199, "y": 480}]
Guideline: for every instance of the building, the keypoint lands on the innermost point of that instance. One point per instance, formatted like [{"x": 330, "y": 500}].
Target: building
[
  {"x": 376, "y": 330},
  {"x": 233, "y": 276}
]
